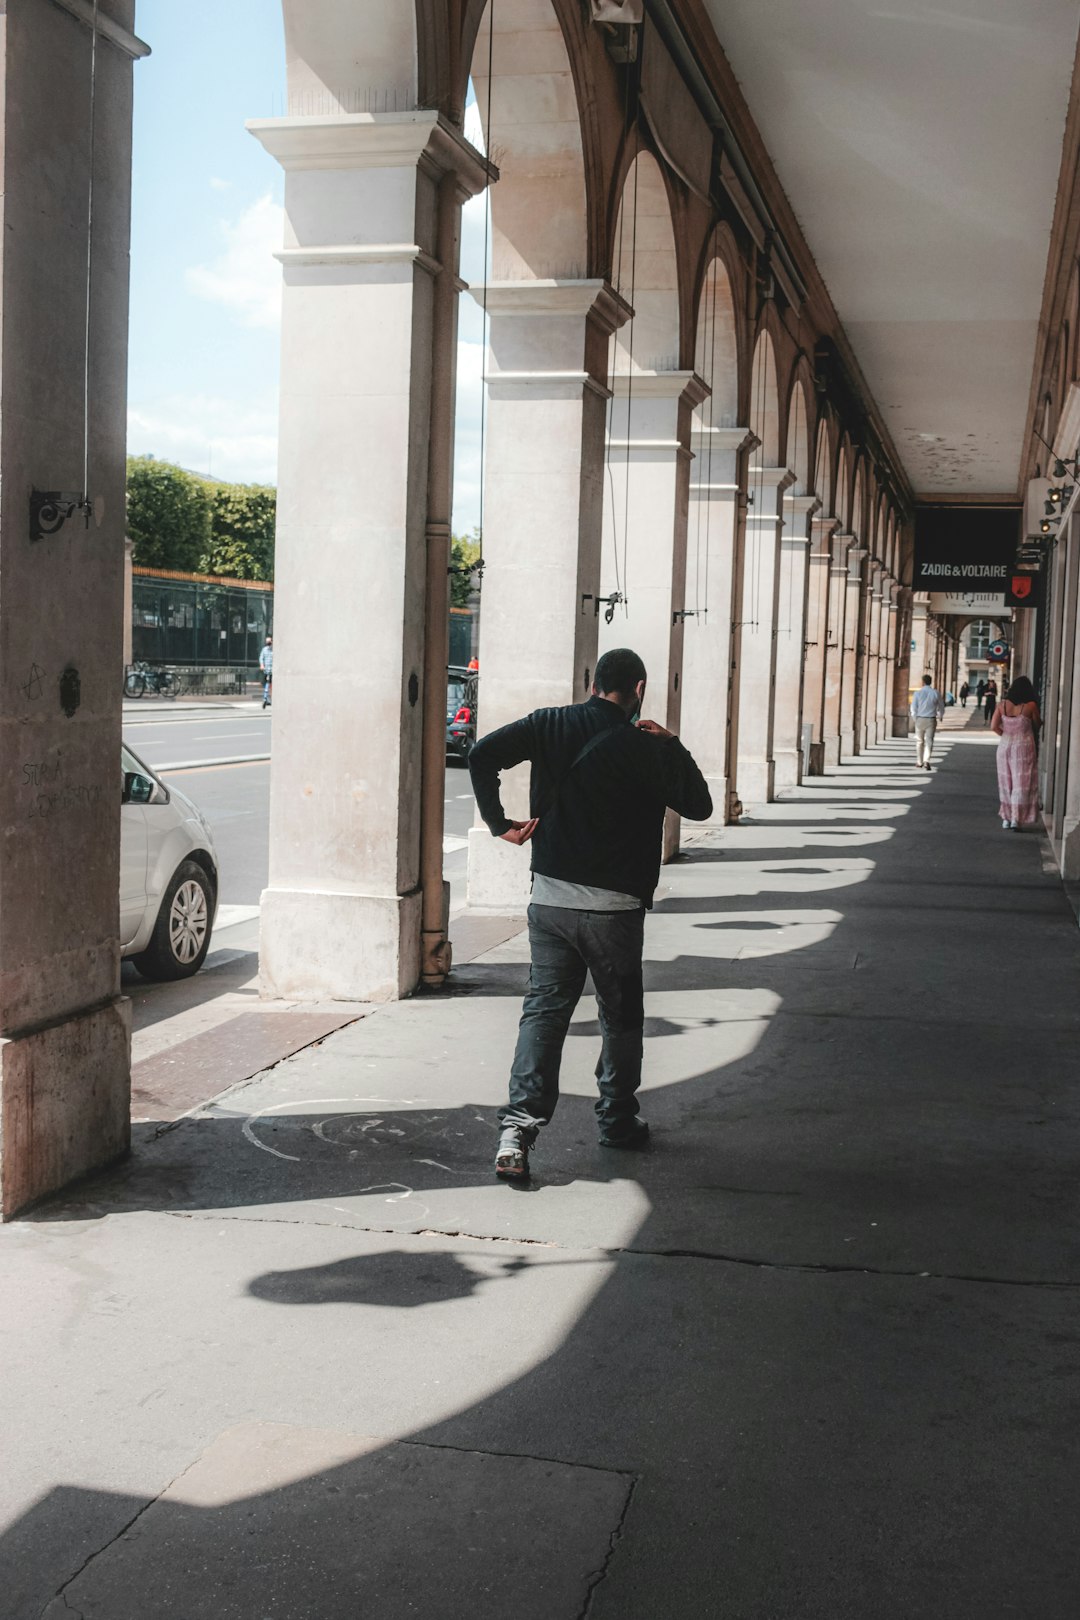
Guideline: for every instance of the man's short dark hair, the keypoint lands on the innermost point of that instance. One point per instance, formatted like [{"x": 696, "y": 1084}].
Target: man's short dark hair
[
  {"x": 619, "y": 670},
  {"x": 927, "y": 680}
]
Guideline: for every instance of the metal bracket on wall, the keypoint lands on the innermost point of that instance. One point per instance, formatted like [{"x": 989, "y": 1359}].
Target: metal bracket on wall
[
  {"x": 612, "y": 603},
  {"x": 51, "y": 508}
]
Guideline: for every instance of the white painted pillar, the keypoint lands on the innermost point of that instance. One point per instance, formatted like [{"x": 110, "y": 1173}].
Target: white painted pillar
[
  {"x": 819, "y": 562},
  {"x": 364, "y": 195},
  {"x": 884, "y": 643},
  {"x": 756, "y": 770},
  {"x": 903, "y": 661},
  {"x": 834, "y": 647},
  {"x": 872, "y": 668},
  {"x": 64, "y": 1026},
  {"x": 717, "y": 508},
  {"x": 645, "y": 524},
  {"x": 543, "y": 513},
  {"x": 852, "y": 632},
  {"x": 791, "y": 639}
]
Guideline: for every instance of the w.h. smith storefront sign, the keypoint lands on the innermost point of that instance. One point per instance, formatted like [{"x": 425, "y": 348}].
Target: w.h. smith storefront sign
[{"x": 965, "y": 548}]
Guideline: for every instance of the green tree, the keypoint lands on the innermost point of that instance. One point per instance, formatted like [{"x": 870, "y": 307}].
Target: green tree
[
  {"x": 242, "y": 531},
  {"x": 168, "y": 515},
  {"x": 464, "y": 555}
]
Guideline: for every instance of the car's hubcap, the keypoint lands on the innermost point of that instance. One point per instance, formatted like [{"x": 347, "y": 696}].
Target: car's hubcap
[{"x": 188, "y": 919}]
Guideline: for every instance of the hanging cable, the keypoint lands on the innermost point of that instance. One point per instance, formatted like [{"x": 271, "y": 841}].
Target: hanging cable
[
  {"x": 709, "y": 457},
  {"x": 479, "y": 567},
  {"x": 89, "y": 264},
  {"x": 630, "y": 393}
]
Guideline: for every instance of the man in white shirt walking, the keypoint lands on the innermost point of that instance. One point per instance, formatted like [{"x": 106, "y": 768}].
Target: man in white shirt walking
[{"x": 926, "y": 710}]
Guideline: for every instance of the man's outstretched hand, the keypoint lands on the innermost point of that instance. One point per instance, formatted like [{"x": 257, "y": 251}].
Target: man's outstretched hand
[
  {"x": 653, "y": 729},
  {"x": 519, "y": 832}
]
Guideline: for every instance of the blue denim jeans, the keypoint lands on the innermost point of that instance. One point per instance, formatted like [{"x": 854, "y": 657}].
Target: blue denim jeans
[{"x": 566, "y": 945}]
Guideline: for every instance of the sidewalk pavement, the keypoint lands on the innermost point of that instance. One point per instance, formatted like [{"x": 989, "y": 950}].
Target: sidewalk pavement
[{"x": 812, "y": 1357}]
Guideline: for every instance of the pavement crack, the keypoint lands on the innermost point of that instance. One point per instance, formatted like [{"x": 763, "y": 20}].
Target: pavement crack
[
  {"x": 599, "y": 1576},
  {"x": 708, "y": 1256},
  {"x": 62, "y": 1590}
]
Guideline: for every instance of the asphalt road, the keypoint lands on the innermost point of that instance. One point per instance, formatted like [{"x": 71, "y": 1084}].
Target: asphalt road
[{"x": 236, "y": 798}]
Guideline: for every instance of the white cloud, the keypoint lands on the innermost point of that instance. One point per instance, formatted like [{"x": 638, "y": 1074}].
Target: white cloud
[
  {"x": 218, "y": 184},
  {"x": 234, "y": 440},
  {"x": 247, "y": 277}
]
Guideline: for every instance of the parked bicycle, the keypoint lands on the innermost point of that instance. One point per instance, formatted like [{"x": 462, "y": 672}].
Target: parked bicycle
[{"x": 141, "y": 678}]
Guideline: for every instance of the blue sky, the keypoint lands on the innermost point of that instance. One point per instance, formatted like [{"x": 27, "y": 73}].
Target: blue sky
[{"x": 206, "y": 219}]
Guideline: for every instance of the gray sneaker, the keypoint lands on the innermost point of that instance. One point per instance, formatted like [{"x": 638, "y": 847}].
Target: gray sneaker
[{"x": 512, "y": 1157}]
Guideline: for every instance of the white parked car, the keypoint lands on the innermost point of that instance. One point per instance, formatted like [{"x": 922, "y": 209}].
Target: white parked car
[{"x": 168, "y": 876}]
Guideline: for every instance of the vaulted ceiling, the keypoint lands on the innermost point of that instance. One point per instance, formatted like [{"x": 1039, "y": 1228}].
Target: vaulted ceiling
[{"x": 919, "y": 145}]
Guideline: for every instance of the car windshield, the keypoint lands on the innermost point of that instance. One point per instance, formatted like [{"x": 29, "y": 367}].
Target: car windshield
[
  {"x": 455, "y": 695},
  {"x": 132, "y": 766}
]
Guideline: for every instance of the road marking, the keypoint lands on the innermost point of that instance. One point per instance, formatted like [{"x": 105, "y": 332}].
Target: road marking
[
  {"x": 231, "y": 916},
  {"x": 450, "y": 846},
  {"x": 210, "y": 764}
]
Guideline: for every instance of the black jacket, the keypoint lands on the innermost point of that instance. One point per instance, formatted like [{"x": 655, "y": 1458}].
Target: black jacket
[{"x": 602, "y": 822}]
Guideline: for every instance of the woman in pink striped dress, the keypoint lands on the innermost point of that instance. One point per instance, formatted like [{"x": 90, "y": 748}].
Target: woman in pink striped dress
[{"x": 1016, "y": 721}]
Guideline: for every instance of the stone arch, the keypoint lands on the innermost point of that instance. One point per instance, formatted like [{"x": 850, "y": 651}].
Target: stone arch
[
  {"x": 797, "y": 454},
  {"x": 357, "y": 58},
  {"x": 717, "y": 346},
  {"x": 645, "y": 271},
  {"x": 842, "y": 503},
  {"x": 823, "y": 467},
  {"x": 858, "y": 519},
  {"x": 765, "y": 400},
  {"x": 539, "y": 206}
]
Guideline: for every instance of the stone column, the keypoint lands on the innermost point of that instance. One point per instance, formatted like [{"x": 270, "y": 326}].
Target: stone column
[
  {"x": 717, "y": 511},
  {"x": 791, "y": 639},
  {"x": 822, "y": 530},
  {"x": 362, "y": 335},
  {"x": 834, "y": 647},
  {"x": 885, "y": 656},
  {"x": 543, "y": 515},
  {"x": 903, "y": 663},
  {"x": 64, "y": 1026},
  {"x": 852, "y": 633},
  {"x": 756, "y": 768},
  {"x": 871, "y": 671},
  {"x": 646, "y": 522}
]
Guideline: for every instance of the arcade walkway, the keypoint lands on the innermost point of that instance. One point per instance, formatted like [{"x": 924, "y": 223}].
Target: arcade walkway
[{"x": 815, "y": 1357}]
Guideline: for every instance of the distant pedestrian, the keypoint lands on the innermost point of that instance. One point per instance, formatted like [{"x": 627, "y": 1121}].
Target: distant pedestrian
[
  {"x": 598, "y": 792},
  {"x": 266, "y": 664},
  {"x": 991, "y": 702},
  {"x": 1017, "y": 721},
  {"x": 980, "y": 692},
  {"x": 926, "y": 710},
  {"x": 965, "y": 693}
]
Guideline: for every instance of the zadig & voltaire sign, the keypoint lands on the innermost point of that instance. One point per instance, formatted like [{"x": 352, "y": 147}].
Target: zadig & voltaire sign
[{"x": 965, "y": 549}]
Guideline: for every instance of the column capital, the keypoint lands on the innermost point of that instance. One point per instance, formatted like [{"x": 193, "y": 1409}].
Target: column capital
[
  {"x": 730, "y": 440},
  {"x": 685, "y": 386},
  {"x": 778, "y": 478},
  {"x": 822, "y": 529},
  {"x": 801, "y": 505},
  {"x": 855, "y": 560},
  {"x": 556, "y": 298},
  {"x": 397, "y": 140},
  {"x": 841, "y": 545}
]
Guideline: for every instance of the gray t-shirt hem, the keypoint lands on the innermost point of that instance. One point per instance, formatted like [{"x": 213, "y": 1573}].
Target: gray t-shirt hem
[{"x": 549, "y": 891}]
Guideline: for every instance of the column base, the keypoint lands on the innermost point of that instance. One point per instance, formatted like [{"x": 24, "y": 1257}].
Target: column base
[
  {"x": 901, "y": 725},
  {"x": 831, "y": 747},
  {"x": 847, "y": 744},
  {"x": 65, "y": 1102},
  {"x": 817, "y": 759},
  {"x": 499, "y": 875},
  {"x": 756, "y": 781},
  {"x": 1070, "y": 849},
  {"x": 315, "y": 945},
  {"x": 718, "y": 791},
  {"x": 788, "y": 769}
]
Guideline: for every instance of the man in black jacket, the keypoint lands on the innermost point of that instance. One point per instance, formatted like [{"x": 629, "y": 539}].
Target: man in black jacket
[{"x": 598, "y": 792}]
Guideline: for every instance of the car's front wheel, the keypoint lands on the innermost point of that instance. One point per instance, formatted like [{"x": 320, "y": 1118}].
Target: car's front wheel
[{"x": 181, "y": 936}]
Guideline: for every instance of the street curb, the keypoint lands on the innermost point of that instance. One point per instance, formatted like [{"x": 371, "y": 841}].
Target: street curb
[{"x": 204, "y": 764}]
